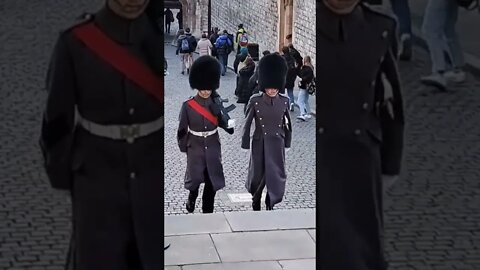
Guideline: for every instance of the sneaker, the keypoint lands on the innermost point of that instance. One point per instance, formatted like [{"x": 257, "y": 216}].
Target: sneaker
[
  {"x": 188, "y": 71},
  {"x": 406, "y": 48},
  {"x": 302, "y": 117},
  {"x": 456, "y": 76},
  {"x": 292, "y": 107},
  {"x": 436, "y": 79},
  {"x": 308, "y": 116}
]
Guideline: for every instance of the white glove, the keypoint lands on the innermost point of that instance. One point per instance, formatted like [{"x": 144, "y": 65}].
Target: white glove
[
  {"x": 388, "y": 181},
  {"x": 231, "y": 123},
  {"x": 245, "y": 150}
]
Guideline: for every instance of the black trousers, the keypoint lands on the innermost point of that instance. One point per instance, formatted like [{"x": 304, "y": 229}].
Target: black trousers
[
  {"x": 167, "y": 28},
  {"x": 208, "y": 196},
  {"x": 257, "y": 195}
]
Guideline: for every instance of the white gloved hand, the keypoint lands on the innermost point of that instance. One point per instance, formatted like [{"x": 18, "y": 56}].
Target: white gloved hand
[
  {"x": 245, "y": 150},
  {"x": 231, "y": 123},
  {"x": 388, "y": 181}
]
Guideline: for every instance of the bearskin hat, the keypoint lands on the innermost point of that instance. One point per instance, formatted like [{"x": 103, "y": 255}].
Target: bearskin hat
[
  {"x": 205, "y": 73},
  {"x": 272, "y": 72}
]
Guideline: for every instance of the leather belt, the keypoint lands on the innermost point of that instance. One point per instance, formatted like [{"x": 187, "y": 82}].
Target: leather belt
[
  {"x": 122, "y": 132},
  {"x": 203, "y": 133}
]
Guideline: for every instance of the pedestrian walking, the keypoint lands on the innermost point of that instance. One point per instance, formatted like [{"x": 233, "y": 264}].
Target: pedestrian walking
[
  {"x": 186, "y": 44},
  {"x": 360, "y": 125},
  {"x": 241, "y": 38},
  {"x": 273, "y": 133},
  {"x": 291, "y": 75},
  {"x": 180, "y": 19},
  {"x": 198, "y": 136},
  {"x": 222, "y": 48},
  {"x": 401, "y": 9},
  {"x": 102, "y": 136},
  {"x": 204, "y": 46},
  {"x": 168, "y": 19},
  {"x": 244, "y": 92},
  {"x": 306, "y": 75},
  {"x": 439, "y": 30}
]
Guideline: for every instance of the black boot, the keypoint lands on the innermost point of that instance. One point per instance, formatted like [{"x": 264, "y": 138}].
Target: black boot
[
  {"x": 190, "y": 204},
  {"x": 267, "y": 203},
  {"x": 256, "y": 206}
]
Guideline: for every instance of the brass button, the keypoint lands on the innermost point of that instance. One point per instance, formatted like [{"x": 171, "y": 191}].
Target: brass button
[
  {"x": 373, "y": 83},
  {"x": 258, "y": 111},
  {"x": 321, "y": 130},
  {"x": 260, "y": 118},
  {"x": 131, "y": 111},
  {"x": 381, "y": 59},
  {"x": 285, "y": 102},
  {"x": 256, "y": 103},
  {"x": 132, "y": 175},
  {"x": 263, "y": 125},
  {"x": 365, "y": 106},
  {"x": 276, "y": 134},
  {"x": 205, "y": 127},
  {"x": 385, "y": 34},
  {"x": 357, "y": 132},
  {"x": 206, "y": 147},
  {"x": 279, "y": 125},
  {"x": 265, "y": 133}
]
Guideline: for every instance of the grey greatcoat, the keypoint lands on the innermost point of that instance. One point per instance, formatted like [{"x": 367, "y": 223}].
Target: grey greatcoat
[
  {"x": 273, "y": 133},
  {"x": 202, "y": 152},
  {"x": 116, "y": 186},
  {"x": 360, "y": 136}
]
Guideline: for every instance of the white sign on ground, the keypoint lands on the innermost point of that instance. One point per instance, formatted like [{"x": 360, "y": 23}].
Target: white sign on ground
[{"x": 242, "y": 197}]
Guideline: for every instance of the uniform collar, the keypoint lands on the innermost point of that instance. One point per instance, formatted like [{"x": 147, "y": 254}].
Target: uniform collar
[
  {"x": 203, "y": 101},
  {"x": 120, "y": 29},
  {"x": 339, "y": 27},
  {"x": 269, "y": 100}
]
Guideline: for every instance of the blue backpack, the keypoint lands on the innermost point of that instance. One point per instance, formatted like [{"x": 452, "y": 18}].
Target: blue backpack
[{"x": 185, "y": 45}]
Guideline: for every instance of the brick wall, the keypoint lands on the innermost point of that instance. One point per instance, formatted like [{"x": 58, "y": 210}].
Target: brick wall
[{"x": 260, "y": 18}]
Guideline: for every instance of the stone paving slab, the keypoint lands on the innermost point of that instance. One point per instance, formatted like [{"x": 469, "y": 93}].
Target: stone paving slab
[
  {"x": 196, "y": 224},
  {"x": 271, "y": 220},
  {"x": 173, "y": 268},
  {"x": 313, "y": 234},
  {"x": 307, "y": 264},
  {"x": 190, "y": 249},
  {"x": 269, "y": 265},
  {"x": 262, "y": 246}
]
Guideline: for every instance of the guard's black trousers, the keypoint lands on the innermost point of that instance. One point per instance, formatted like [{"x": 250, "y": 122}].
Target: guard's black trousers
[
  {"x": 208, "y": 197},
  {"x": 257, "y": 196}
]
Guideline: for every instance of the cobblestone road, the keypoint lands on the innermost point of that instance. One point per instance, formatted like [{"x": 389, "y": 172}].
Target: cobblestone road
[
  {"x": 432, "y": 215},
  {"x": 300, "y": 159}
]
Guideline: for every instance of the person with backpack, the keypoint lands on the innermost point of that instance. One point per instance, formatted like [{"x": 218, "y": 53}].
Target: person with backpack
[
  {"x": 241, "y": 38},
  {"x": 168, "y": 19},
  {"x": 307, "y": 76},
  {"x": 186, "y": 45},
  {"x": 222, "y": 48}
]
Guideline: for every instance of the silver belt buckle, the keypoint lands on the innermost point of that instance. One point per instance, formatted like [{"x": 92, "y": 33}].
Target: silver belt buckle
[
  {"x": 129, "y": 133},
  {"x": 205, "y": 133}
]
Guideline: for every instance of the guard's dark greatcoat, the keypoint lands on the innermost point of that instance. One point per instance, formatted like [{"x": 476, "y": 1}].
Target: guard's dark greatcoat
[
  {"x": 271, "y": 136},
  {"x": 358, "y": 141},
  {"x": 116, "y": 186},
  {"x": 201, "y": 152}
]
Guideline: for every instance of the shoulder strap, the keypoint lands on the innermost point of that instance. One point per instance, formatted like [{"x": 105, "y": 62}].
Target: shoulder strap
[
  {"x": 120, "y": 58},
  {"x": 202, "y": 111}
]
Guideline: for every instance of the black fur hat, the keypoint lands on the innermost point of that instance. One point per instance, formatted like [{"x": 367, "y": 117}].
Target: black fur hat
[
  {"x": 205, "y": 73},
  {"x": 272, "y": 72}
]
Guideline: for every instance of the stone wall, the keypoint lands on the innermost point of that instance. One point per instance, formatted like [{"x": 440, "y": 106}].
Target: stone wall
[
  {"x": 304, "y": 31},
  {"x": 260, "y": 18}
]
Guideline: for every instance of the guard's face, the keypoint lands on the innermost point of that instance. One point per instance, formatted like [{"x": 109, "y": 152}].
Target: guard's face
[
  {"x": 129, "y": 9},
  {"x": 204, "y": 93},
  {"x": 341, "y": 5},
  {"x": 271, "y": 92}
]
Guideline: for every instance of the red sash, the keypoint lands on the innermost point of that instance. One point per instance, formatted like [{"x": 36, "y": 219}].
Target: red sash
[
  {"x": 201, "y": 110},
  {"x": 121, "y": 59}
]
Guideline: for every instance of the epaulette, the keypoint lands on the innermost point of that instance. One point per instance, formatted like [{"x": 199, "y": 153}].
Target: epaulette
[{"x": 80, "y": 20}]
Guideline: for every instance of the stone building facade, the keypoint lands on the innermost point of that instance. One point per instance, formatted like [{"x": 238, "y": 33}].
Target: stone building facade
[{"x": 267, "y": 21}]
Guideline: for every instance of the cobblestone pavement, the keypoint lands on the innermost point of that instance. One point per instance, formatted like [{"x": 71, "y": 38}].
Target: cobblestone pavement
[
  {"x": 34, "y": 220},
  {"x": 433, "y": 212},
  {"x": 300, "y": 159}
]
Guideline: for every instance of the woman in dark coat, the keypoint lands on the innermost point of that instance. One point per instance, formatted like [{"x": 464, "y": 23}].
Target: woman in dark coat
[
  {"x": 198, "y": 136},
  {"x": 273, "y": 133},
  {"x": 244, "y": 92}
]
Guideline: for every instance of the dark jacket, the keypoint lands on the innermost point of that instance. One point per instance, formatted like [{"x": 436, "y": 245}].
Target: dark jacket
[
  {"x": 358, "y": 139},
  {"x": 273, "y": 133},
  {"x": 203, "y": 153},
  {"x": 238, "y": 58},
  {"x": 242, "y": 89},
  {"x": 114, "y": 184},
  {"x": 192, "y": 41},
  {"x": 291, "y": 73},
  {"x": 306, "y": 75}
]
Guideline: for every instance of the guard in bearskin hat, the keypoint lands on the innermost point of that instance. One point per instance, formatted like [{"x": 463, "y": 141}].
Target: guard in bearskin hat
[
  {"x": 200, "y": 117},
  {"x": 273, "y": 133}
]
